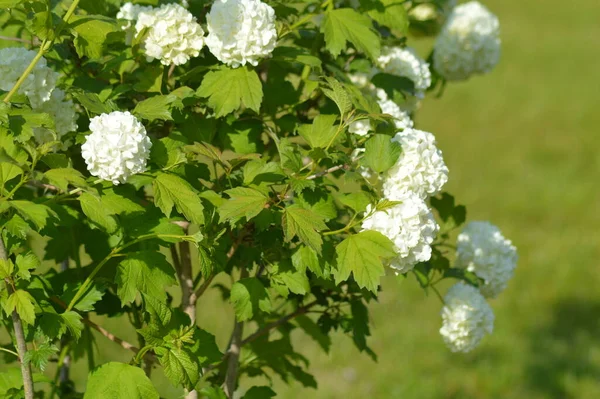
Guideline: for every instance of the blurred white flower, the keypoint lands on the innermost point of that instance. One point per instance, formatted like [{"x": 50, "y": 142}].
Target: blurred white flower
[
  {"x": 117, "y": 148},
  {"x": 483, "y": 250},
  {"x": 37, "y": 86},
  {"x": 129, "y": 12},
  {"x": 402, "y": 119},
  {"x": 241, "y": 31},
  {"x": 404, "y": 62},
  {"x": 420, "y": 169},
  {"x": 360, "y": 127},
  {"x": 466, "y": 318},
  {"x": 64, "y": 115},
  {"x": 410, "y": 226},
  {"x": 469, "y": 42},
  {"x": 173, "y": 36}
]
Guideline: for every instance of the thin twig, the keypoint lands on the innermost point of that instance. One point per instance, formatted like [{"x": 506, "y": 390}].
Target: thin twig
[
  {"x": 327, "y": 171},
  {"x": 14, "y": 39},
  {"x": 19, "y": 336}
]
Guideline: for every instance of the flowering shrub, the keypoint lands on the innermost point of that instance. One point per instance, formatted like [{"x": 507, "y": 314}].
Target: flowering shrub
[{"x": 150, "y": 152}]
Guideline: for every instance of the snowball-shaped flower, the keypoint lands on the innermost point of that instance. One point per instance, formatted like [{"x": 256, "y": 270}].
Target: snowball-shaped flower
[
  {"x": 420, "y": 168},
  {"x": 129, "y": 12},
  {"x": 64, "y": 115},
  {"x": 466, "y": 317},
  {"x": 117, "y": 147},
  {"x": 483, "y": 250},
  {"x": 410, "y": 226},
  {"x": 360, "y": 127},
  {"x": 39, "y": 83},
  {"x": 404, "y": 62},
  {"x": 173, "y": 36},
  {"x": 469, "y": 42},
  {"x": 241, "y": 31},
  {"x": 402, "y": 120}
]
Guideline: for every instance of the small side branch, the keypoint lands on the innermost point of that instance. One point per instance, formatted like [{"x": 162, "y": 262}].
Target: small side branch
[{"x": 327, "y": 171}]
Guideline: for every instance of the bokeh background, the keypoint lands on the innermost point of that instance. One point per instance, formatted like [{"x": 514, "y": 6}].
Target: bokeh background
[{"x": 522, "y": 147}]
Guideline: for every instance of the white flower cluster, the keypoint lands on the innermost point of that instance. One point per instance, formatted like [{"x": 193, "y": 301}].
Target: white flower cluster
[
  {"x": 129, "y": 12},
  {"x": 172, "y": 34},
  {"x": 241, "y": 31},
  {"x": 117, "y": 148},
  {"x": 404, "y": 62},
  {"x": 37, "y": 86},
  {"x": 469, "y": 42},
  {"x": 64, "y": 115},
  {"x": 420, "y": 168},
  {"x": 410, "y": 226},
  {"x": 483, "y": 250},
  {"x": 466, "y": 318}
]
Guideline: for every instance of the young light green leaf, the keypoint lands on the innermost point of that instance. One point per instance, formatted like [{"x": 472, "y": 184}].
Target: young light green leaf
[
  {"x": 93, "y": 104},
  {"x": 36, "y": 213},
  {"x": 25, "y": 263},
  {"x": 62, "y": 177},
  {"x": 303, "y": 223},
  {"x": 172, "y": 190},
  {"x": 17, "y": 226},
  {"x": 345, "y": 24},
  {"x": 153, "y": 108},
  {"x": 361, "y": 254},
  {"x": 7, "y": 267},
  {"x": 321, "y": 132},
  {"x": 72, "y": 321},
  {"x": 22, "y": 302},
  {"x": 248, "y": 296},
  {"x": 228, "y": 89},
  {"x": 337, "y": 93},
  {"x": 390, "y": 13},
  {"x": 244, "y": 202},
  {"x": 381, "y": 153},
  {"x": 306, "y": 257},
  {"x": 93, "y": 208},
  {"x": 180, "y": 366},
  {"x": 147, "y": 272},
  {"x": 39, "y": 356},
  {"x": 119, "y": 381}
]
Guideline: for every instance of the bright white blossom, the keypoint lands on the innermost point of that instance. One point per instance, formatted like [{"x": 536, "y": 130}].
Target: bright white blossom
[
  {"x": 420, "y": 169},
  {"x": 64, "y": 115},
  {"x": 117, "y": 148},
  {"x": 39, "y": 83},
  {"x": 129, "y": 12},
  {"x": 241, "y": 31},
  {"x": 466, "y": 318},
  {"x": 410, "y": 226},
  {"x": 404, "y": 62},
  {"x": 483, "y": 250},
  {"x": 173, "y": 35},
  {"x": 469, "y": 42}
]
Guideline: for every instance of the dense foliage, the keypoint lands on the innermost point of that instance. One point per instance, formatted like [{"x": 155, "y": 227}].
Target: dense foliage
[{"x": 158, "y": 144}]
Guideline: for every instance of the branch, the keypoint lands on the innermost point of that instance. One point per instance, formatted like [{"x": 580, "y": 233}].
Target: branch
[
  {"x": 327, "y": 171},
  {"x": 19, "y": 336},
  {"x": 14, "y": 39},
  {"x": 266, "y": 329}
]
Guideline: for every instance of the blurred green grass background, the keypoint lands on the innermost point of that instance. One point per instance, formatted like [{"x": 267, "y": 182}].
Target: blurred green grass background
[{"x": 521, "y": 144}]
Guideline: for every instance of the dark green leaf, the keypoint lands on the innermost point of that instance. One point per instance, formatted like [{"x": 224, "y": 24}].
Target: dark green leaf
[
  {"x": 248, "y": 296},
  {"x": 145, "y": 272},
  {"x": 171, "y": 190},
  {"x": 345, "y": 24}
]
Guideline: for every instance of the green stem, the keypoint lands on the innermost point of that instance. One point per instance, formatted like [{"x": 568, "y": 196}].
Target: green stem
[
  {"x": 140, "y": 355},
  {"x": 344, "y": 229},
  {"x": 61, "y": 360},
  {"x": 9, "y": 351},
  {"x": 46, "y": 45}
]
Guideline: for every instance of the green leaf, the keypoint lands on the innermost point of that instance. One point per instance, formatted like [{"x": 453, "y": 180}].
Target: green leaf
[
  {"x": 179, "y": 365},
  {"x": 228, "y": 89},
  {"x": 207, "y": 393},
  {"x": 248, "y": 296},
  {"x": 321, "y": 132},
  {"x": 40, "y": 355},
  {"x": 357, "y": 201},
  {"x": 7, "y": 267},
  {"x": 91, "y": 33},
  {"x": 381, "y": 153},
  {"x": 153, "y": 108},
  {"x": 72, "y": 322},
  {"x": 346, "y": 25},
  {"x": 337, "y": 93},
  {"x": 306, "y": 257},
  {"x": 243, "y": 202},
  {"x": 361, "y": 254},
  {"x": 147, "y": 272},
  {"x": 17, "y": 226},
  {"x": 172, "y": 190},
  {"x": 62, "y": 177},
  {"x": 119, "y": 381},
  {"x": 303, "y": 223},
  {"x": 93, "y": 104},
  {"x": 259, "y": 393},
  {"x": 314, "y": 331},
  {"x": 25, "y": 263},
  {"x": 205, "y": 348},
  {"x": 93, "y": 208},
  {"x": 36, "y": 213},
  {"x": 22, "y": 302},
  {"x": 452, "y": 215},
  {"x": 390, "y": 13},
  {"x": 259, "y": 171}
]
